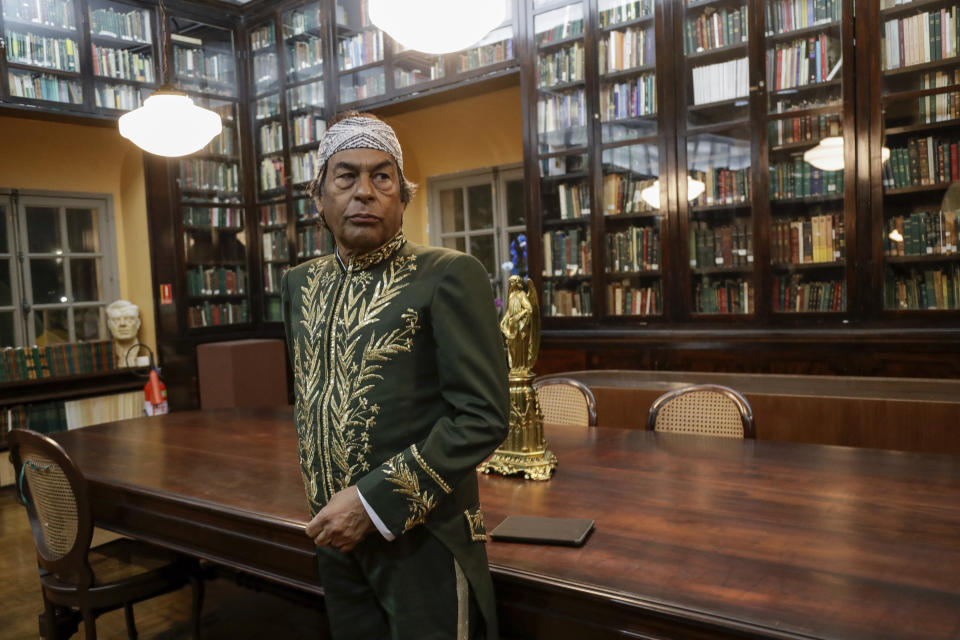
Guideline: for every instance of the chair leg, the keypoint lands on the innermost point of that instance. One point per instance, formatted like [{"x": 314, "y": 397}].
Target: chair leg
[
  {"x": 50, "y": 620},
  {"x": 131, "y": 625},
  {"x": 89, "y": 625},
  {"x": 196, "y": 584}
]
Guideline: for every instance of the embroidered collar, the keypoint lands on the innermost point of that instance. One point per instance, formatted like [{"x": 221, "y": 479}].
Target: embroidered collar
[{"x": 378, "y": 255}]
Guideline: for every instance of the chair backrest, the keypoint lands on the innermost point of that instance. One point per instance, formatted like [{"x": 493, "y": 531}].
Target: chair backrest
[
  {"x": 566, "y": 401},
  {"x": 705, "y": 409},
  {"x": 55, "y": 494}
]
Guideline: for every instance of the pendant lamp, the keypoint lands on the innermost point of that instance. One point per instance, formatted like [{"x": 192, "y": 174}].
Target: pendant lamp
[
  {"x": 168, "y": 123},
  {"x": 437, "y": 26},
  {"x": 828, "y": 155},
  {"x": 651, "y": 194}
]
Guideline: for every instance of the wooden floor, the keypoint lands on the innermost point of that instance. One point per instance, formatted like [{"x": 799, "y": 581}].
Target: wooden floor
[{"x": 230, "y": 611}]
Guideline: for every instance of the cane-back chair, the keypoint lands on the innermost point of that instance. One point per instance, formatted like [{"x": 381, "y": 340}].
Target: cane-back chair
[
  {"x": 72, "y": 574},
  {"x": 705, "y": 409},
  {"x": 566, "y": 401}
]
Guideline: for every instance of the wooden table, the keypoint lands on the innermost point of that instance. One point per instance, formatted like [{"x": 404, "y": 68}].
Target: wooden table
[{"x": 695, "y": 537}]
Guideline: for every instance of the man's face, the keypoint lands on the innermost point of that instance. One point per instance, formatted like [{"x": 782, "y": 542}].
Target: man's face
[
  {"x": 124, "y": 326},
  {"x": 361, "y": 200}
]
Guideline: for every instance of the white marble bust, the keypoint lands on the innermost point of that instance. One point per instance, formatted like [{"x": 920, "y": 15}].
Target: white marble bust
[{"x": 123, "y": 320}]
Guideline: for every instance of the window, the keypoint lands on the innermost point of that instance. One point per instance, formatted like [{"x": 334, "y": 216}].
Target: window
[
  {"x": 482, "y": 213},
  {"x": 58, "y": 268}
]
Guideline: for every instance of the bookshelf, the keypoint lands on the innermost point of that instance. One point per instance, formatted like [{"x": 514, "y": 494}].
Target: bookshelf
[{"x": 123, "y": 53}]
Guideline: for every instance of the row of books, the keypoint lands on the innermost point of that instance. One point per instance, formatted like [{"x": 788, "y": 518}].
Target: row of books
[
  {"x": 302, "y": 20},
  {"x": 216, "y": 281},
  {"x": 559, "y": 300},
  {"x": 561, "y": 66},
  {"x": 305, "y": 209},
  {"x": 42, "y": 86},
  {"x": 271, "y": 137},
  {"x": 941, "y": 106},
  {"x": 633, "y": 250},
  {"x": 803, "y": 62},
  {"x": 820, "y": 238},
  {"x": 53, "y": 13},
  {"x": 799, "y": 179},
  {"x": 714, "y": 29},
  {"x": 626, "y": 299},
  {"x": 804, "y": 129},
  {"x": 123, "y": 64},
  {"x": 934, "y": 288},
  {"x": 273, "y": 309},
  {"x": 721, "y": 81},
  {"x": 573, "y": 200},
  {"x": 264, "y": 70},
  {"x": 363, "y": 87},
  {"x": 486, "y": 55},
  {"x": 211, "y": 315},
  {"x": 729, "y": 245},
  {"x": 272, "y": 174},
  {"x": 409, "y": 77},
  {"x": 924, "y": 161},
  {"x": 722, "y": 186},
  {"x": 306, "y": 129},
  {"x": 567, "y": 253},
  {"x": 133, "y": 25},
  {"x": 42, "y": 51},
  {"x": 792, "y": 295},
  {"x": 221, "y": 144},
  {"x": 626, "y": 12},
  {"x": 622, "y": 194},
  {"x": 266, "y": 107},
  {"x": 271, "y": 214},
  {"x": 204, "y": 65},
  {"x": 627, "y": 49},
  {"x": 275, "y": 245},
  {"x": 783, "y": 16},
  {"x": 42, "y": 417},
  {"x": 306, "y": 54},
  {"x": 122, "y": 97},
  {"x": 565, "y": 29},
  {"x": 921, "y": 38},
  {"x": 262, "y": 37},
  {"x": 314, "y": 241},
  {"x": 213, "y": 217},
  {"x": 305, "y": 96},
  {"x": 359, "y": 50},
  {"x": 272, "y": 274},
  {"x": 561, "y": 112},
  {"x": 304, "y": 166},
  {"x": 66, "y": 359},
  {"x": 196, "y": 173},
  {"x": 728, "y": 296},
  {"x": 632, "y": 99},
  {"x": 922, "y": 233}
]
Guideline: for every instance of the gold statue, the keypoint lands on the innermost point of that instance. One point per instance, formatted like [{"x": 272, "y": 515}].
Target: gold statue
[{"x": 524, "y": 451}]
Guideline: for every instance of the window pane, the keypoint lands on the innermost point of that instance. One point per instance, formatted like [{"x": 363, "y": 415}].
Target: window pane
[
  {"x": 457, "y": 243},
  {"x": 516, "y": 209},
  {"x": 82, "y": 230},
  {"x": 481, "y": 248},
  {"x": 480, "y": 198},
  {"x": 88, "y": 323},
  {"x": 6, "y": 284},
  {"x": 6, "y": 329},
  {"x": 48, "y": 281},
  {"x": 43, "y": 230},
  {"x": 51, "y": 326},
  {"x": 85, "y": 279},
  {"x": 451, "y": 210}
]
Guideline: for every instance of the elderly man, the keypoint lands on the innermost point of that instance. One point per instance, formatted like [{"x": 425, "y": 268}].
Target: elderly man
[{"x": 401, "y": 390}]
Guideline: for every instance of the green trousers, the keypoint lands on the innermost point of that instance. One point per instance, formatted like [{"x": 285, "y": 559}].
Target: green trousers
[{"x": 407, "y": 589}]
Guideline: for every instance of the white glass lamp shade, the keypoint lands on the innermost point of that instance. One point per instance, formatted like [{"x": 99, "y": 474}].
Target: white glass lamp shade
[
  {"x": 884, "y": 154},
  {"x": 169, "y": 124},
  {"x": 826, "y": 156},
  {"x": 437, "y": 26},
  {"x": 651, "y": 194},
  {"x": 895, "y": 235}
]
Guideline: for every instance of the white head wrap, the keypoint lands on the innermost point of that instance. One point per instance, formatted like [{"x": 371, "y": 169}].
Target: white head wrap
[{"x": 359, "y": 132}]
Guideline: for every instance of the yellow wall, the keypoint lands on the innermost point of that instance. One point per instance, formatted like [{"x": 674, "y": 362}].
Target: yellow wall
[
  {"x": 481, "y": 131},
  {"x": 52, "y": 156}
]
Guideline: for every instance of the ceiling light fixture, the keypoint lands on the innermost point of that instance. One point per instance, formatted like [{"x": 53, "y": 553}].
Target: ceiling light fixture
[
  {"x": 828, "y": 155},
  {"x": 437, "y": 26},
  {"x": 169, "y": 123},
  {"x": 651, "y": 193}
]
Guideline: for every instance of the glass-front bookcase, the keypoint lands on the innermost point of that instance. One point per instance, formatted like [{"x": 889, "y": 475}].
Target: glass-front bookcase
[
  {"x": 210, "y": 187},
  {"x": 360, "y": 53},
  {"x": 123, "y": 53},
  {"x": 495, "y": 50},
  {"x": 920, "y": 209}
]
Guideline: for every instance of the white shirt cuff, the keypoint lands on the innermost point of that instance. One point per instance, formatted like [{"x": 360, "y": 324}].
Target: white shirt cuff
[{"x": 377, "y": 522}]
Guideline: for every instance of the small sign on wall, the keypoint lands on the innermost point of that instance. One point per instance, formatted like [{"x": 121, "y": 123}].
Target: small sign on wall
[{"x": 166, "y": 294}]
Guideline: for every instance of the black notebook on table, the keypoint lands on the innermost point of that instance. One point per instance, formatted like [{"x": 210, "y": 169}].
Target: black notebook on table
[{"x": 571, "y": 532}]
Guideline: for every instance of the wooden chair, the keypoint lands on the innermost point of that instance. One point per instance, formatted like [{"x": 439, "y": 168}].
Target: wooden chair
[
  {"x": 704, "y": 409},
  {"x": 92, "y": 580},
  {"x": 566, "y": 401}
]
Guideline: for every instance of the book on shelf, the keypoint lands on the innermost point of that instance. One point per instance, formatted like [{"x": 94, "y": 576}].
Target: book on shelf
[
  {"x": 485, "y": 55},
  {"x": 275, "y": 245},
  {"x": 359, "y": 50},
  {"x": 262, "y": 37},
  {"x": 561, "y": 66},
  {"x": 721, "y": 81},
  {"x": 633, "y": 250},
  {"x": 267, "y": 107},
  {"x": 50, "y": 361},
  {"x": 120, "y": 97},
  {"x": 567, "y": 27},
  {"x": 133, "y": 25},
  {"x": 122, "y": 64},
  {"x": 212, "y": 314},
  {"x": 729, "y": 245},
  {"x": 803, "y": 62},
  {"x": 799, "y": 179},
  {"x": 940, "y": 106},
  {"x": 203, "y": 65},
  {"x": 42, "y": 417},
  {"x": 726, "y": 296},
  {"x": 367, "y": 84},
  {"x": 100, "y": 409},
  {"x": 305, "y": 96},
  {"x": 272, "y": 214},
  {"x": 272, "y": 274},
  {"x": 202, "y": 174},
  {"x": 817, "y": 239},
  {"x": 722, "y": 186},
  {"x": 622, "y": 194},
  {"x": 306, "y": 54},
  {"x": 24, "y": 84},
  {"x": 631, "y": 99},
  {"x": 559, "y": 300},
  {"x": 626, "y": 299},
  {"x": 715, "y": 28},
  {"x": 214, "y": 281},
  {"x": 927, "y": 160},
  {"x": 936, "y": 288},
  {"x": 625, "y": 12},
  {"x": 633, "y": 47},
  {"x": 38, "y": 50},
  {"x": 792, "y": 294},
  {"x": 272, "y": 174},
  {"x": 314, "y": 241},
  {"x": 305, "y": 19},
  {"x": 264, "y": 69},
  {"x": 213, "y": 217},
  {"x": 922, "y": 233},
  {"x": 561, "y": 112},
  {"x": 271, "y": 137},
  {"x": 784, "y": 16},
  {"x": 305, "y": 166},
  {"x": 567, "y": 253},
  {"x": 921, "y": 38},
  {"x": 51, "y": 13},
  {"x": 574, "y": 200},
  {"x": 810, "y": 128}
]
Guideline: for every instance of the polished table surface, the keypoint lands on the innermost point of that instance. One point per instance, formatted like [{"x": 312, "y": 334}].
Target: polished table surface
[{"x": 695, "y": 537}]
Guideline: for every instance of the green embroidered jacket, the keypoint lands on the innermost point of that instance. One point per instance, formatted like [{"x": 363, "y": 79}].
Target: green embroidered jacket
[{"x": 401, "y": 388}]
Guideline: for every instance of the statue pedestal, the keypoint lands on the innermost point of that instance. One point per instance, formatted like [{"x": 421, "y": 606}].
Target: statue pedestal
[{"x": 524, "y": 449}]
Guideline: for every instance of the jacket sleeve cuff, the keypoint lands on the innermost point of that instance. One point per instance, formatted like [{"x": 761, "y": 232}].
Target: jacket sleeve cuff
[{"x": 377, "y": 522}]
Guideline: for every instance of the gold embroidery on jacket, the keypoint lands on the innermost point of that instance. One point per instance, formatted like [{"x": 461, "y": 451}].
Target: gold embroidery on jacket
[
  {"x": 433, "y": 474},
  {"x": 478, "y": 532},
  {"x": 419, "y": 503},
  {"x": 381, "y": 253}
]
